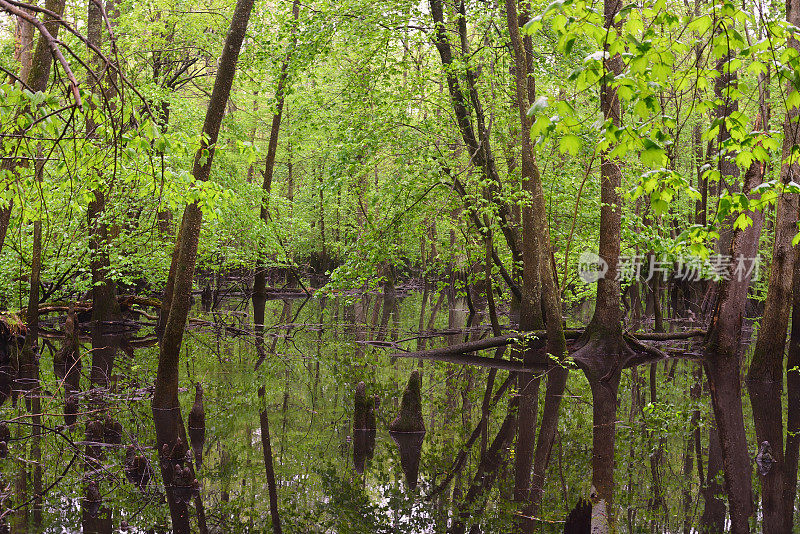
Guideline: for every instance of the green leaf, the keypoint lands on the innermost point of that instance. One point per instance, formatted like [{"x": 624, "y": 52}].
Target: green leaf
[
  {"x": 542, "y": 125},
  {"x": 654, "y": 156},
  {"x": 659, "y": 206},
  {"x": 565, "y": 108},
  {"x": 570, "y": 144},
  {"x": 532, "y": 26},
  {"x": 742, "y": 222},
  {"x": 793, "y": 100}
]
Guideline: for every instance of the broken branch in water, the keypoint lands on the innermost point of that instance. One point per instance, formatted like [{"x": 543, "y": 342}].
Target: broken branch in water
[{"x": 460, "y": 460}]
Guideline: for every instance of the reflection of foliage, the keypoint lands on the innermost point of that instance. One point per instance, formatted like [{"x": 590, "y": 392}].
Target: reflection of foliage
[
  {"x": 319, "y": 490},
  {"x": 347, "y": 508}
]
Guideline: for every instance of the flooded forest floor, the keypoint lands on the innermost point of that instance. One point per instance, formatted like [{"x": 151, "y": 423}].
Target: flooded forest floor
[{"x": 355, "y": 447}]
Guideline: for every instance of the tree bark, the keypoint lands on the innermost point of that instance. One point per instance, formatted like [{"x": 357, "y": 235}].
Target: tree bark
[
  {"x": 765, "y": 377},
  {"x": 170, "y": 431},
  {"x": 23, "y": 46},
  {"x": 713, "y": 519},
  {"x": 104, "y": 291},
  {"x": 723, "y": 340},
  {"x": 531, "y": 317},
  {"x": 722, "y": 369},
  {"x": 793, "y": 403},
  {"x": 603, "y": 349},
  {"x": 539, "y": 285}
]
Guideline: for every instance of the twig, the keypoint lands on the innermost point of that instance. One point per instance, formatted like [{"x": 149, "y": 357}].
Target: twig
[{"x": 52, "y": 43}]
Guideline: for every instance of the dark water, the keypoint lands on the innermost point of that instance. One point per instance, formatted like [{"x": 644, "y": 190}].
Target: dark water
[{"x": 330, "y": 479}]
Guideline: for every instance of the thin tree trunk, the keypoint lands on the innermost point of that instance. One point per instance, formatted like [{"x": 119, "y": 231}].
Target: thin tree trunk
[
  {"x": 260, "y": 280},
  {"x": 477, "y": 144},
  {"x": 724, "y": 336},
  {"x": 602, "y": 347},
  {"x": 486, "y": 473},
  {"x": 23, "y": 46},
  {"x": 766, "y": 374},
  {"x": 689, "y": 457},
  {"x": 765, "y": 378},
  {"x": 268, "y": 465},
  {"x": 104, "y": 292},
  {"x": 539, "y": 283},
  {"x": 19, "y": 522},
  {"x": 793, "y": 403},
  {"x": 713, "y": 519},
  {"x": 722, "y": 368}
]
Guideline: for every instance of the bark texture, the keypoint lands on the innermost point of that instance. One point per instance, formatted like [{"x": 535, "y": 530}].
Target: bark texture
[{"x": 170, "y": 431}]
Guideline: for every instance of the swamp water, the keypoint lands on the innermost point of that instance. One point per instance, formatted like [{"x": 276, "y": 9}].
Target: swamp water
[{"x": 105, "y": 477}]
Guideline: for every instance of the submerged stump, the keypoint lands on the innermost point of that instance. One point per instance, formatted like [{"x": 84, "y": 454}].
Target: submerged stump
[
  {"x": 410, "y": 445},
  {"x": 579, "y": 519},
  {"x": 363, "y": 427},
  {"x": 360, "y": 407},
  {"x": 12, "y": 334},
  {"x": 197, "y": 425},
  {"x": 364, "y": 409},
  {"x": 410, "y": 417},
  {"x": 68, "y": 356},
  {"x": 408, "y": 429},
  {"x": 363, "y": 448}
]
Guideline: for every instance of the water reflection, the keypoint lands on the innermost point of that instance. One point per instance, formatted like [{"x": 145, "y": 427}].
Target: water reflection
[
  {"x": 360, "y": 443},
  {"x": 410, "y": 446},
  {"x": 97, "y": 444}
]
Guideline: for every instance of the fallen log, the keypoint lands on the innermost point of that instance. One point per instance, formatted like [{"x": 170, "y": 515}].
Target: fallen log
[
  {"x": 463, "y": 353},
  {"x": 483, "y": 344},
  {"x": 668, "y": 336},
  {"x": 125, "y": 301},
  {"x": 479, "y": 361}
]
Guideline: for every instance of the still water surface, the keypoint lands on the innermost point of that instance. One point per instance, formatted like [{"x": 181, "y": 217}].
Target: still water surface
[{"x": 330, "y": 478}]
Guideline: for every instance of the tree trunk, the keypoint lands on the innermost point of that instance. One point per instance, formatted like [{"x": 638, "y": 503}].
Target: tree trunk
[
  {"x": 259, "y": 282},
  {"x": 477, "y": 144},
  {"x": 722, "y": 366},
  {"x": 723, "y": 340},
  {"x": 268, "y": 465},
  {"x": 170, "y": 432},
  {"x": 713, "y": 519},
  {"x": 793, "y": 403},
  {"x": 765, "y": 378},
  {"x": 37, "y": 80},
  {"x": 602, "y": 347},
  {"x": 689, "y": 457},
  {"x": 104, "y": 291},
  {"x": 486, "y": 473},
  {"x": 539, "y": 285},
  {"x": 23, "y": 46}
]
